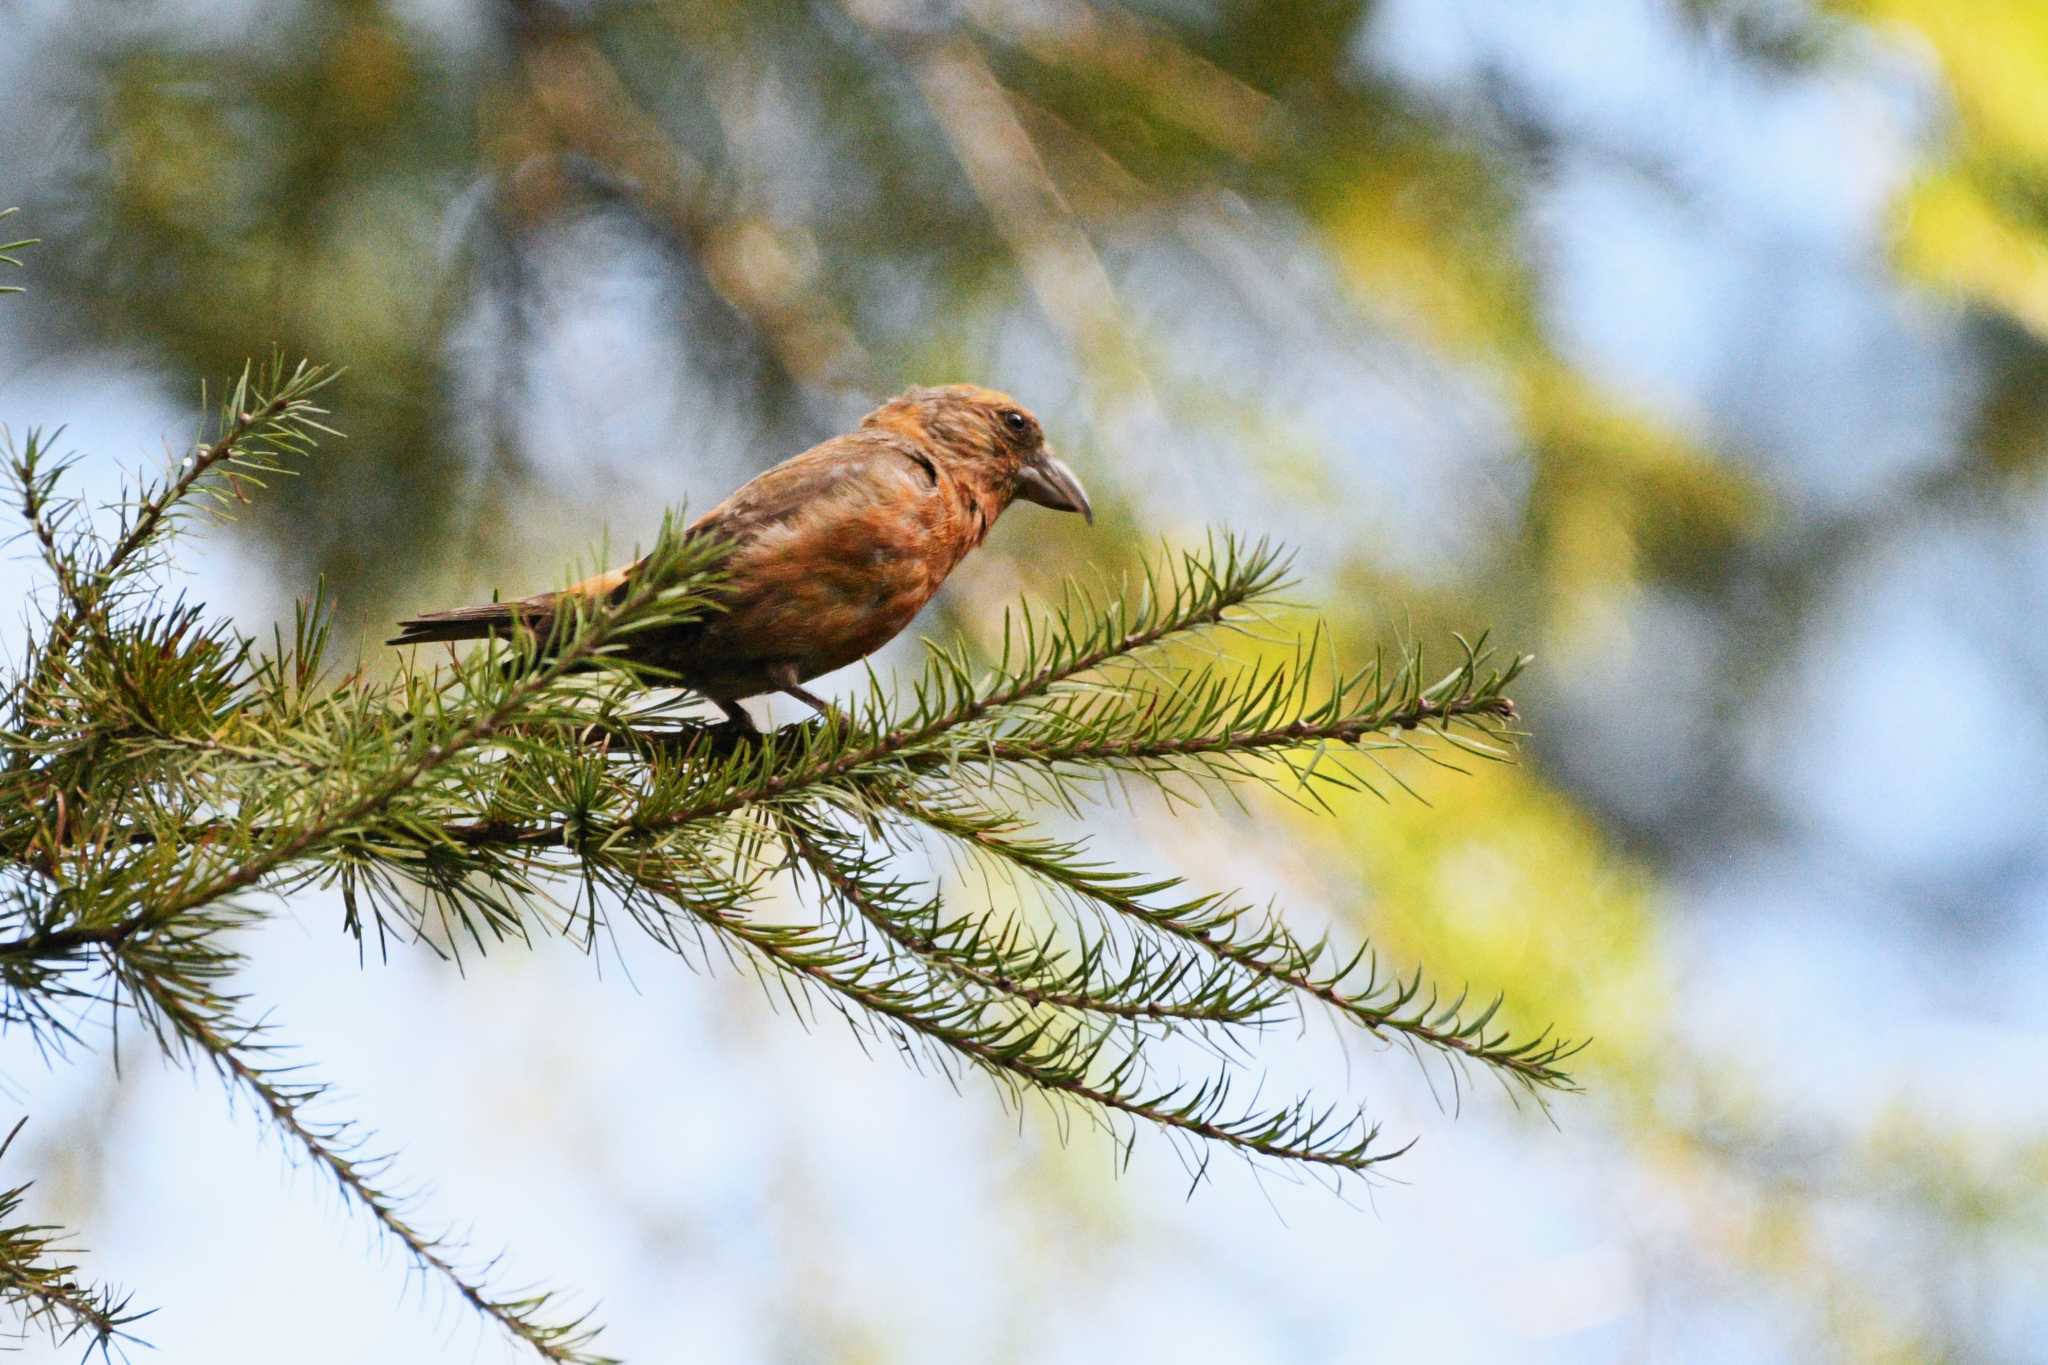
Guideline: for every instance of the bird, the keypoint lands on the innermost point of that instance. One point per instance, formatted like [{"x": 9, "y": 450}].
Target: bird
[{"x": 832, "y": 552}]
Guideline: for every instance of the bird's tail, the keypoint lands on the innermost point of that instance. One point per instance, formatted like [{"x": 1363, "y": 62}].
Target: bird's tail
[{"x": 473, "y": 623}]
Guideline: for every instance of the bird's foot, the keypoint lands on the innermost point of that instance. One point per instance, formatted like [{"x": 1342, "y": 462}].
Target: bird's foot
[{"x": 688, "y": 737}]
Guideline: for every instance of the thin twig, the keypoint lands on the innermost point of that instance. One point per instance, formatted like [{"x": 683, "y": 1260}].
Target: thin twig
[{"x": 559, "y": 1342}]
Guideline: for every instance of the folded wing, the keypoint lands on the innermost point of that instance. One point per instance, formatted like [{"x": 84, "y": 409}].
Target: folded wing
[{"x": 797, "y": 530}]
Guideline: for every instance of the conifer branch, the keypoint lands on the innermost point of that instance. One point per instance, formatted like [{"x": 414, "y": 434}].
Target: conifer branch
[
  {"x": 191, "y": 1016},
  {"x": 162, "y": 771},
  {"x": 583, "y": 638},
  {"x": 1025, "y": 1055},
  {"x": 44, "y": 1291},
  {"x": 268, "y": 416},
  {"x": 7, "y": 250},
  {"x": 1011, "y": 963},
  {"x": 1261, "y": 944}
]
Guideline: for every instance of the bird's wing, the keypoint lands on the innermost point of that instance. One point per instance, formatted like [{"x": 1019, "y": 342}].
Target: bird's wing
[
  {"x": 843, "y": 476},
  {"x": 794, "y": 504}
]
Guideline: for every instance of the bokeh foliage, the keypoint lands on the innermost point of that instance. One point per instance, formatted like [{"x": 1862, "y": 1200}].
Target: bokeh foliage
[
  {"x": 846, "y": 197},
  {"x": 1975, "y": 223}
]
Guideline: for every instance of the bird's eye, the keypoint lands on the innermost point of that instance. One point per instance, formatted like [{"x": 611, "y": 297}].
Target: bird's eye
[{"x": 1016, "y": 421}]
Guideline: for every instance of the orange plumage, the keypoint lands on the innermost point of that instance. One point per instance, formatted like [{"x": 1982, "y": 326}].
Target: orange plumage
[{"x": 835, "y": 550}]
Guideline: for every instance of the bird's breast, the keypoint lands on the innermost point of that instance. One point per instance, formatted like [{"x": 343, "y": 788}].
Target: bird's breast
[{"x": 824, "y": 591}]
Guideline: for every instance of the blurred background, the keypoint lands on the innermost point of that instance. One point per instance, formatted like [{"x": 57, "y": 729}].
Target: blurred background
[{"x": 1700, "y": 348}]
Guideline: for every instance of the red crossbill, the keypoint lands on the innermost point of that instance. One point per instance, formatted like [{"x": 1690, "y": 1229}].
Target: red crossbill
[{"x": 834, "y": 550}]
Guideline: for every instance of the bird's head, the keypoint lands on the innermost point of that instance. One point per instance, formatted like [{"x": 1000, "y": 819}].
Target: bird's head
[{"x": 988, "y": 436}]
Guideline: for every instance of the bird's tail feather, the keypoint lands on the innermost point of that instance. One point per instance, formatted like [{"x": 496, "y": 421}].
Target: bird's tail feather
[{"x": 472, "y": 623}]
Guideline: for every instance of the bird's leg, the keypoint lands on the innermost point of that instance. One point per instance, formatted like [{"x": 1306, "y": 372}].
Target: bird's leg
[
  {"x": 737, "y": 730},
  {"x": 737, "y": 717},
  {"x": 814, "y": 701},
  {"x": 785, "y": 677}
]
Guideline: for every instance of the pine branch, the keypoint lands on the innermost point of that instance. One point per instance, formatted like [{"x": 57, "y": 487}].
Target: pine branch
[
  {"x": 44, "y": 1291},
  {"x": 1208, "y": 715},
  {"x": 162, "y": 770},
  {"x": 1151, "y": 738},
  {"x": 1220, "y": 721},
  {"x": 1025, "y": 1055},
  {"x": 7, "y": 250},
  {"x": 582, "y": 638},
  {"x": 163, "y": 952},
  {"x": 267, "y": 417},
  {"x": 1102, "y": 723},
  {"x": 190, "y": 1015},
  {"x": 35, "y": 485},
  {"x": 1013, "y": 965},
  {"x": 1261, "y": 944}
]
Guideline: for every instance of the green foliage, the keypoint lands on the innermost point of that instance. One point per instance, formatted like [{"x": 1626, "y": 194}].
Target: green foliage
[
  {"x": 43, "y": 1289},
  {"x": 166, "y": 779},
  {"x": 7, "y": 250}
]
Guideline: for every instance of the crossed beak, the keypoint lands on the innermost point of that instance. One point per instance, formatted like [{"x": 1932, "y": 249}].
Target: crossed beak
[{"x": 1049, "y": 483}]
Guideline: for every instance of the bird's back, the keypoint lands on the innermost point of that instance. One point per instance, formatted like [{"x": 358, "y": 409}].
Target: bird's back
[{"x": 834, "y": 551}]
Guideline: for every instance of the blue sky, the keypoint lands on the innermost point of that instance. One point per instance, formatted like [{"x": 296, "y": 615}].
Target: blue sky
[{"x": 735, "y": 1187}]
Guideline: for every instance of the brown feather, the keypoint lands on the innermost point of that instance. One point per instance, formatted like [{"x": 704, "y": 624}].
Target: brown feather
[
  {"x": 467, "y": 623},
  {"x": 835, "y": 550}
]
